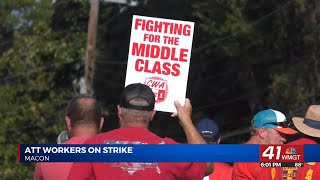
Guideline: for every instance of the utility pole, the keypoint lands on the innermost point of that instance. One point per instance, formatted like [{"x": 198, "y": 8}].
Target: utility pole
[
  {"x": 91, "y": 45},
  {"x": 86, "y": 83}
]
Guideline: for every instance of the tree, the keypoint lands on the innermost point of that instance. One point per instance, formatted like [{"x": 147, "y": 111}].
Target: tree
[
  {"x": 36, "y": 75},
  {"x": 256, "y": 55}
]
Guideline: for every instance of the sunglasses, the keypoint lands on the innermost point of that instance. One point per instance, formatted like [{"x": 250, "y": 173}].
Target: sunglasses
[{"x": 282, "y": 124}]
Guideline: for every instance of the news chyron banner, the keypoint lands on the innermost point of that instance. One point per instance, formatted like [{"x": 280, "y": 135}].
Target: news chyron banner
[
  {"x": 159, "y": 56},
  {"x": 137, "y": 153},
  {"x": 268, "y": 156},
  {"x": 281, "y": 155}
]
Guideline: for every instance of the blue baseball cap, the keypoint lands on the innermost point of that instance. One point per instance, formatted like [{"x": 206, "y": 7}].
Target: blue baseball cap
[
  {"x": 272, "y": 119},
  {"x": 208, "y": 129}
]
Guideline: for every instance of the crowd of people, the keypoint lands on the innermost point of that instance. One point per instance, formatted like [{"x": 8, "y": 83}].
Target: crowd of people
[{"x": 136, "y": 111}]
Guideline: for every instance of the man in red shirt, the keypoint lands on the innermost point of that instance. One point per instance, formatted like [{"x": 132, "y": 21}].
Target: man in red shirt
[
  {"x": 209, "y": 131},
  {"x": 310, "y": 129},
  {"x": 268, "y": 127},
  {"x": 83, "y": 121},
  {"x": 135, "y": 111}
]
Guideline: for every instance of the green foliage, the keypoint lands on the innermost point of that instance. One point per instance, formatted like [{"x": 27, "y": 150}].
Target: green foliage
[
  {"x": 255, "y": 55},
  {"x": 36, "y": 75}
]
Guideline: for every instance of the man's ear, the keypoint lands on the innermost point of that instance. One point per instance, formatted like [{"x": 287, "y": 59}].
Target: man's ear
[
  {"x": 101, "y": 123},
  {"x": 152, "y": 115},
  {"x": 119, "y": 112},
  {"x": 68, "y": 122},
  {"x": 262, "y": 132}
]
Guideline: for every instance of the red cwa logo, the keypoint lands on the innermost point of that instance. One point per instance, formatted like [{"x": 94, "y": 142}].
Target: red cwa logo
[{"x": 159, "y": 87}]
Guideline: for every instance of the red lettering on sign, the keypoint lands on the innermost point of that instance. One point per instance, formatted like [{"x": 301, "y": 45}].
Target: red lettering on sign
[
  {"x": 137, "y": 67},
  {"x": 175, "y": 68},
  {"x": 159, "y": 87},
  {"x": 183, "y": 55},
  {"x": 163, "y": 52},
  {"x": 156, "y": 84},
  {"x": 157, "y": 68},
  {"x": 155, "y": 52},
  {"x": 161, "y": 94},
  {"x": 162, "y": 27},
  {"x": 166, "y": 67}
]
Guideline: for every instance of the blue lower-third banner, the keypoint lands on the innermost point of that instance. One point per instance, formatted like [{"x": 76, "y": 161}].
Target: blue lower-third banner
[
  {"x": 150, "y": 153},
  {"x": 137, "y": 153}
]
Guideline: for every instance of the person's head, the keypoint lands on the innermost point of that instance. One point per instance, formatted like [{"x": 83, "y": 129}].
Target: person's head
[
  {"x": 209, "y": 130},
  {"x": 270, "y": 127},
  {"x": 310, "y": 124},
  {"x": 84, "y": 116},
  {"x": 136, "y": 105}
]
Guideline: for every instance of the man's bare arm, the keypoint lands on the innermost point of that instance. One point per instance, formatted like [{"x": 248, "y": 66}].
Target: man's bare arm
[{"x": 184, "y": 114}]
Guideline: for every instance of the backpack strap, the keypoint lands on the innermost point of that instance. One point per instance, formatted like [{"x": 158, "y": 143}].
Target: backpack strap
[
  {"x": 310, "y": 171},
  {"x": 273, "y": 173}
]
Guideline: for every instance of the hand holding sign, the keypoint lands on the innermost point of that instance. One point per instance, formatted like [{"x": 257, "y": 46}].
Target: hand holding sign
[{"x": 184, "y": 110}]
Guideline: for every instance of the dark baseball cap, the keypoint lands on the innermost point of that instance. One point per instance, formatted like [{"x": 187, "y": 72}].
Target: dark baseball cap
[
  {"x": 208, "y": 129},
  {"x": 139, "y": 91}
]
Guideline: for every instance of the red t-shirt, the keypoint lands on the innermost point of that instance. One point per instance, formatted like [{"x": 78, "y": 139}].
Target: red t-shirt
[
  {"x": 293, "y": 173},
  {"x": 55, "y": 171},
  {"x": 139, "y": 171},
  {"x": 222, "y": 171},
  {"x": 245, "y": 170}
]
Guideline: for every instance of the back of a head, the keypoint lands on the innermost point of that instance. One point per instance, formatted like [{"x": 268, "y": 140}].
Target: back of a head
[
  {"x": 84, "y": 110},
  {"x": 137, "y": 101},
  {"x": 209, "y": 130},
  {"x": 137, "y": 91}
]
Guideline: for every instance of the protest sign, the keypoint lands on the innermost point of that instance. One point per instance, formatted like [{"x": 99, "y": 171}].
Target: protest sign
[{"x": 159, "y": 56}]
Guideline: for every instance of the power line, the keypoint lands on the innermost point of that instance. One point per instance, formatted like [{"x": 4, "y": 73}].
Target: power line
[
  {"x": 35, "y": 70},
  {"x": 235, "y": 133},
  {"x": 112, "y": 62},
  {"x": 205, "y": 64},
  {"x": 229, "y": 101},
  {"x": 201, "y": 48},
  {"x": 243, "y": 96},
  {"x": 6, "y": 42}
]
